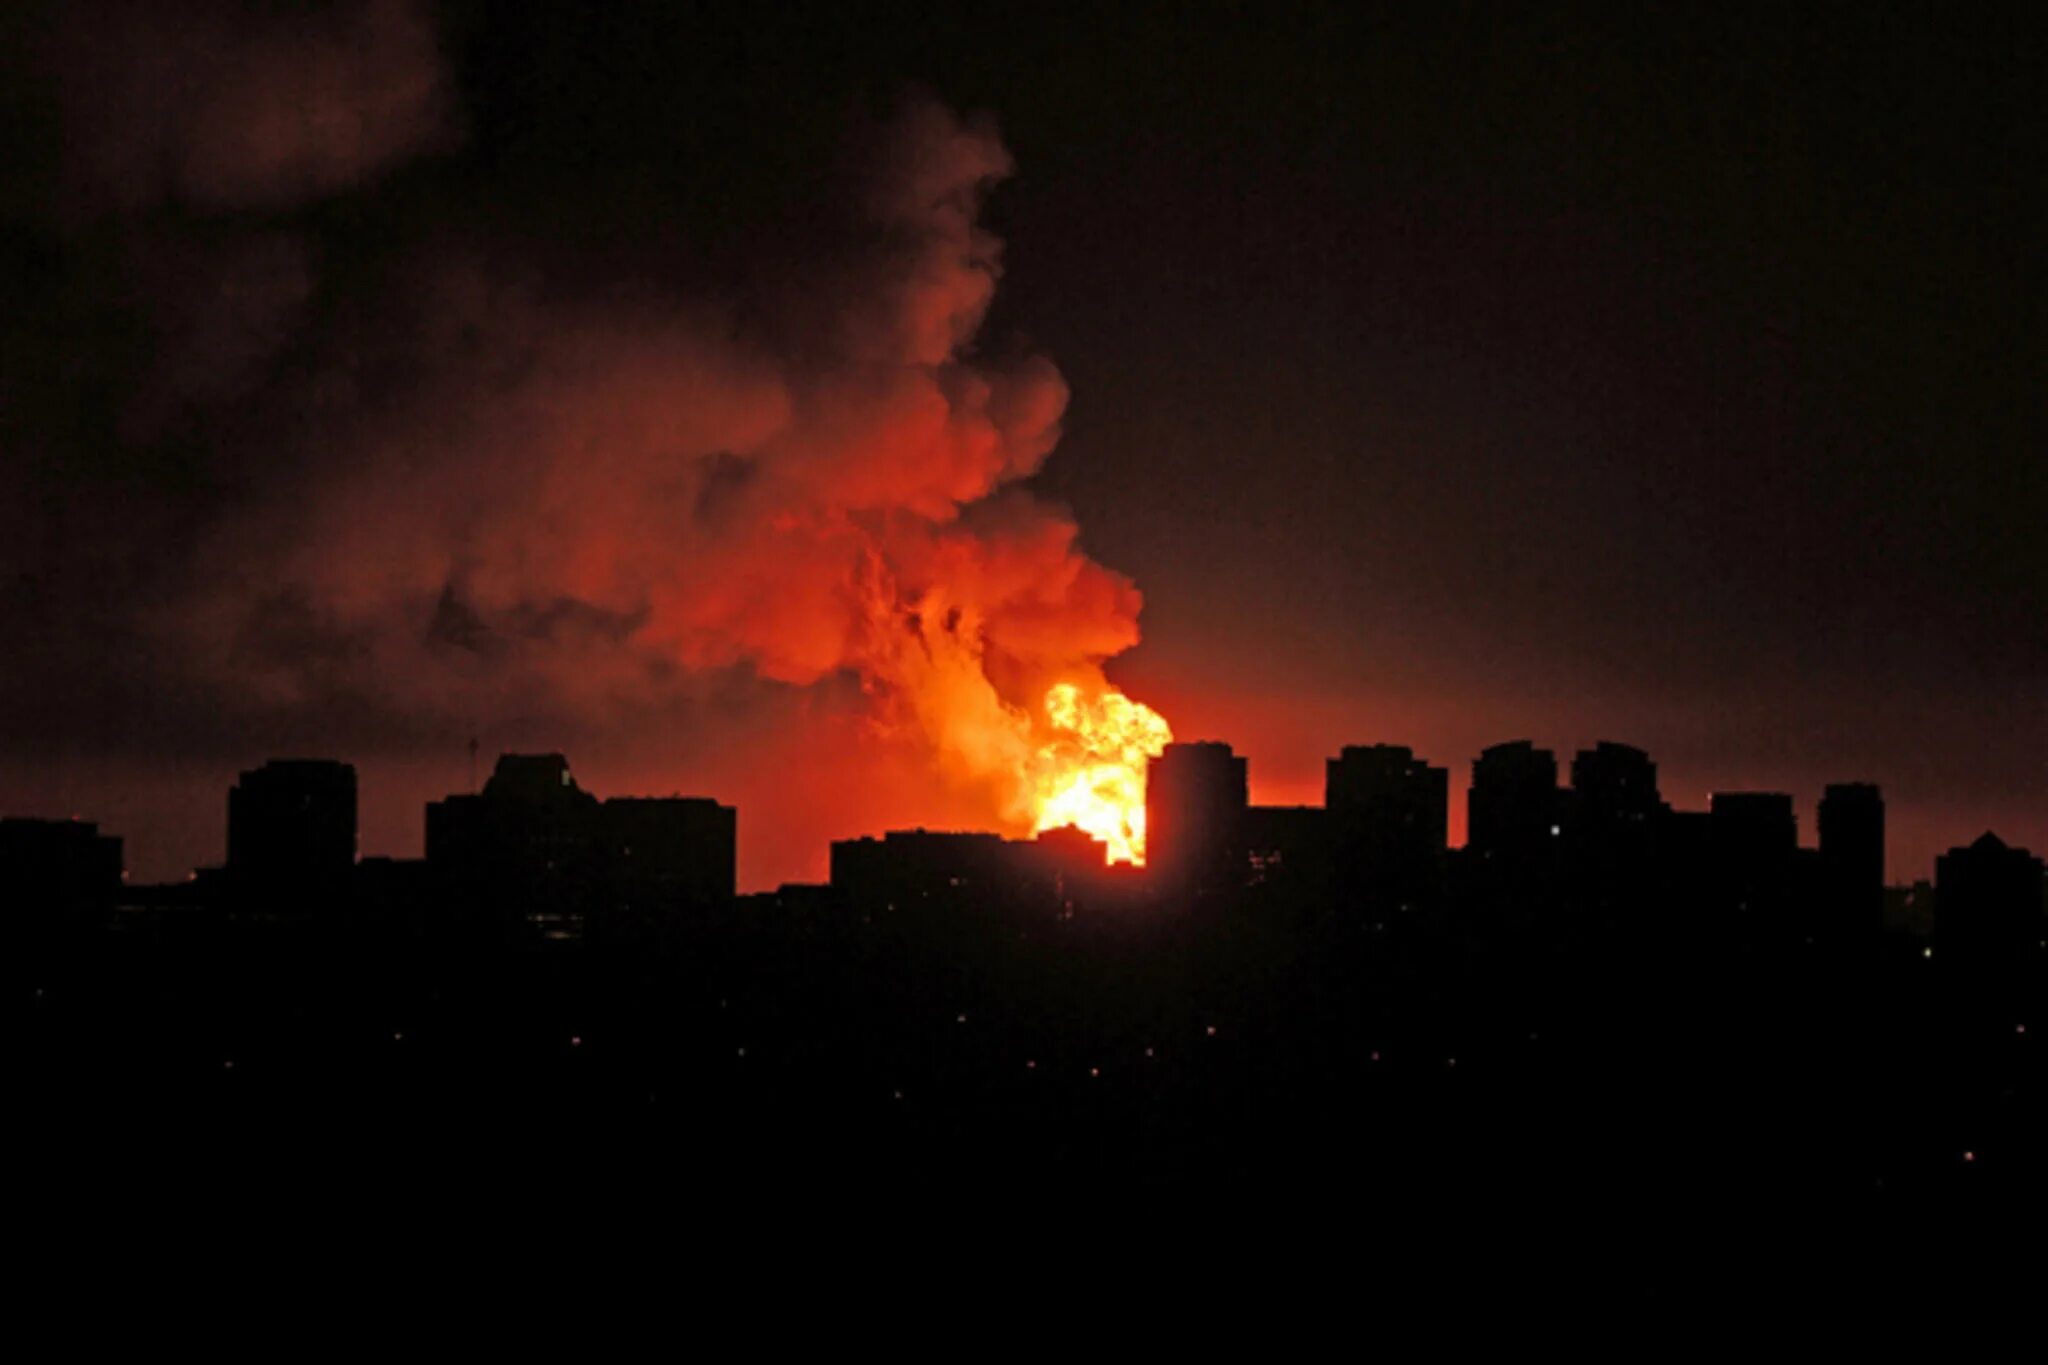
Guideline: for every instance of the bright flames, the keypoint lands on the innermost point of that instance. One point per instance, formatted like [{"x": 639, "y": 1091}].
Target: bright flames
[{"x": 1092, "y": 772}]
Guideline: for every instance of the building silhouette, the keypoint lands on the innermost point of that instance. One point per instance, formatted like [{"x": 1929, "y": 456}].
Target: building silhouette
[
  {"x": 669, "y": 853},
  {"x": 908, "y": 869},
  {"x": 1988, "y": 902},
  {"x": 1755, "y": 851},
  {"x": 55, "y": 868},
  {"x": 292, "y": 832},
  {"x": 1389, "y": 817},
  {"x": 530, "y": 817},
  {"x": 1851, "y": 823},
  {"x": 1513, "y": 815},
  {"x": 1196, "y": 796},
  {"x": 1071, "y": 854},
  {"x": 522, "y": 854},
  {"x": 534, "y": 850},
  {"x": 1614, "y": 793}
]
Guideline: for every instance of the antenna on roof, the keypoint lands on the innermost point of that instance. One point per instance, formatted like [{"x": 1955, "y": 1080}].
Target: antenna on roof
[{"x": 472, "y": 765}]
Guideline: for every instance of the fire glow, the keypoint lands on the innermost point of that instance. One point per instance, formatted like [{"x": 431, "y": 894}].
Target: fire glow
[
  {"x": 788, "y": 506},
  {"x": 1092, "y": 772}
]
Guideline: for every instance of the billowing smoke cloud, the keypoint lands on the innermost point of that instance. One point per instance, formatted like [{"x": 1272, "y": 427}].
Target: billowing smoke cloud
[
  {"x": 577, "y": 499},
  {"x": 462, "y": 486}
]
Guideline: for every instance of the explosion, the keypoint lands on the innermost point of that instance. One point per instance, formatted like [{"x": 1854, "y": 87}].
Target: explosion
[
  {"x": 1092, "y": 772},
  {"x": 754, "y": 507},
  {"x": 1078, "y": 758}
]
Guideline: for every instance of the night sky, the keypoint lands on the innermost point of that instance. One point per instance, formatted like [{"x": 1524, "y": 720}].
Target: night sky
[{"x": 376, "y": 375}]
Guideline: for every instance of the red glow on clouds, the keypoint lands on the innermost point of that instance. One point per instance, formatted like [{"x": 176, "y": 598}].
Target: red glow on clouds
[{"x": 633, "y": 529}]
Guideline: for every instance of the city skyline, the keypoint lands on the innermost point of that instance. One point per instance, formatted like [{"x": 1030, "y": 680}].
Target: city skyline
[
  {"x": 1354, "y": 801},
  {"x": 783, "y": 406}
]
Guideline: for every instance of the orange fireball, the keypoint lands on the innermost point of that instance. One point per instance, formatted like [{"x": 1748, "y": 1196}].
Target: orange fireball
[{"x": 1090, "y": 771}]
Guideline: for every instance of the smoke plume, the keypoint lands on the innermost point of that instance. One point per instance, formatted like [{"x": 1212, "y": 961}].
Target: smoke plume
[{"x": 450, "y": 484}]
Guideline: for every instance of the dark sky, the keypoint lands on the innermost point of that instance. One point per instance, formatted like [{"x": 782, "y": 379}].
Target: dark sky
[{"x": 1664, "y": 375}]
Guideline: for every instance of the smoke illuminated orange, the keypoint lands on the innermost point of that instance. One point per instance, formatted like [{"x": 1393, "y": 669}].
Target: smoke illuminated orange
[{"x": 1091, "y": 773}]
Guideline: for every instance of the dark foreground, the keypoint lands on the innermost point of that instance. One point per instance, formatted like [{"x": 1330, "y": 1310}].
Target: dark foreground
[{"x": 1238, "y": 1054}]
